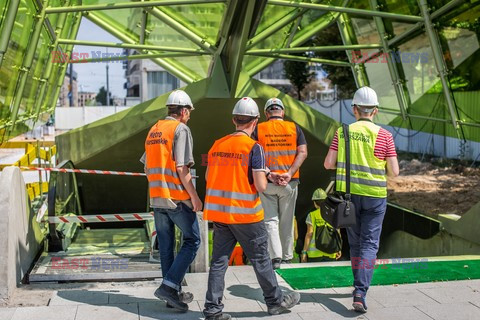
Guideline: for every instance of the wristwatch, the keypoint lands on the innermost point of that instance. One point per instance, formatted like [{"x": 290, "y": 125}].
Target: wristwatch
[{"x": 267, "y": 174}]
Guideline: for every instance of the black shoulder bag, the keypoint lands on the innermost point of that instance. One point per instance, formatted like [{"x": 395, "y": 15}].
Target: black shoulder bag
[
  {"x": 338, "y": 209},
  {"x": 327, "y": 239}
]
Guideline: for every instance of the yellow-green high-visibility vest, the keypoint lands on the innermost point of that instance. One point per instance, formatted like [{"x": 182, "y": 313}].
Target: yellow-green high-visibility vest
[
  {"x": 367, "y": 172},
  {"x": 317, "y": 221}
]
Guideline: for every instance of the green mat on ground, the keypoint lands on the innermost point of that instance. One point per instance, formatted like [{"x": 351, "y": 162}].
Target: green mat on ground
[{"x": 341, "y": 276}]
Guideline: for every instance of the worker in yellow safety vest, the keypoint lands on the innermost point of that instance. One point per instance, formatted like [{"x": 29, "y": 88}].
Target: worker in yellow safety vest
[
  {"x": 236, "y": 172},
  {"x": 372, "y": 158},
  {"x": 168, "y": 157},
  {"x": 314, "y": 220},
  {"x": 285, "y": 149}
]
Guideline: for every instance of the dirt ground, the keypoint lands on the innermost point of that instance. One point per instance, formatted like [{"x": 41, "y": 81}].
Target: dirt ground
[{"x": 434, "y": 188}]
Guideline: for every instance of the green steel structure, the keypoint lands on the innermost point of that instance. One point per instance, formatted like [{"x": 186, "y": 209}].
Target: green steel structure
[{"x": 407, "y": 50}]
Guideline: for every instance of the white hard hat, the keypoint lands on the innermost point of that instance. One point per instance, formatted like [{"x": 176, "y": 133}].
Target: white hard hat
[
  {"x": 274, "y": 102},
  {"x": 179, "y": 98},
  {"x": 366, "y": 97},
  {"x": 246, "y": 107}
]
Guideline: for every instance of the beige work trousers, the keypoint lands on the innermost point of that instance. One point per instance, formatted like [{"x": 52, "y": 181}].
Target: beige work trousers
[{"x": 279, "y": 205}]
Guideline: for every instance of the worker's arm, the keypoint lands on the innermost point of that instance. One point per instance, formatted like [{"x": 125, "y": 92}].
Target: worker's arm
[
  {"x": 260, "y": 180},
  {"x": 186, "y": 179},
  {"x": 330, "y": 162},
  {"x": 392, "y": 167},
  {"x": 306, "y": 244}
]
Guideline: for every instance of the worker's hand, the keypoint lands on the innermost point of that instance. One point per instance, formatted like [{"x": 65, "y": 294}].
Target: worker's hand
[
  {"x": 303, "y": 258},
  {"x": 286, "y": 177},
  {"x": 338, "y": 255},
  {"x": 197, "y": 204}
]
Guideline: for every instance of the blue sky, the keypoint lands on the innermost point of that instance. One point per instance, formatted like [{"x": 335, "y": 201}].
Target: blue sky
[{"x": 92, "y": 76}]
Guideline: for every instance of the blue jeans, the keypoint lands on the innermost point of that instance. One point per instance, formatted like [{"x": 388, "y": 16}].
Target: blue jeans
[
  {"x": 364, "y": 239},
  {"x": 174, "y": 268}
]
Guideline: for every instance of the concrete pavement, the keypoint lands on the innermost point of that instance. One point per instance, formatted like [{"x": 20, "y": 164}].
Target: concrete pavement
[{"x": 243, "y": 300}]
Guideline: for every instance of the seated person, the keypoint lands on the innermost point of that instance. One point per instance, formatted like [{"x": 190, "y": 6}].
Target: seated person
[{"x": 314, "y": 219}]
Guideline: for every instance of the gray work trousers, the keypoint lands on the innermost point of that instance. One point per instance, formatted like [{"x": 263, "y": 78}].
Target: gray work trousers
[
  {"x": 253, "y": 239},
  {"x": 279, "y": 205}
]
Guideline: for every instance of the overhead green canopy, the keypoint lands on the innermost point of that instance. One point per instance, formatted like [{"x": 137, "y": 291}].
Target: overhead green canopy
[{"x": 420, "y": 56}]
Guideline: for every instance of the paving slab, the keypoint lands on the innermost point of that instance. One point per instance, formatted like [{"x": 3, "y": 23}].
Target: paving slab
[
  {"x": 133, "y": 295},
  {"x": 6, "y": 313},
  {"x": 330, "y": 316},
  {"x": 78, "y": 297},
  {"x": 396, "y": 313},
  {"x": 457, "y": 311},
  {"x": 400, "y": 297},
  {"x": 156, "y": 310},
  {"x": 114, "y": 312},
  {"x": 45, "y": 313},
  {"x": 452, "y": 294}
]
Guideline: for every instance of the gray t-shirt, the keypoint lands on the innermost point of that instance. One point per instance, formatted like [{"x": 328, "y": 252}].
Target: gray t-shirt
[{"x": 183, "y": 156}]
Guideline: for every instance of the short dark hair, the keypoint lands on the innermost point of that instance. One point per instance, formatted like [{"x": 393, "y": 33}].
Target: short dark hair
[
  {"x": 243, "y": 119},
  {"x": 318, "y": 202},
  {"x": 175, "y": 110}
]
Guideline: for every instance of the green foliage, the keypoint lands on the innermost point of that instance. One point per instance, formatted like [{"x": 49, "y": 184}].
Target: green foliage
[
  {"x": 299, "y": 75},
  {"x": 102, "y": 96},
  {"x": 340, "y": 76}
]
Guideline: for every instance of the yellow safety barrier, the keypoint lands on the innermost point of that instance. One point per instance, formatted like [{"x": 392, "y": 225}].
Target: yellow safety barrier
[
  {"x": 33, "y": 189},
  {"x": 33, "y": 152}
]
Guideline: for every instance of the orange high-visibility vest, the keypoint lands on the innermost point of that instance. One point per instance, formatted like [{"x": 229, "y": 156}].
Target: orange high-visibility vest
[
  {"x": 230, "y": 198},
  {"x": 161, "y": 168},
  {"x": 279, "y": 139}
]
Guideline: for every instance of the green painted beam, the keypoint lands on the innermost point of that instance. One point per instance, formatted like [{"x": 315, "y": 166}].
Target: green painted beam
[
  {"x": 349, "y": 38},
  {"x": 150, "y": 56},
  {"x": 143, "y": 27},
  {"x": 171, "y": 66},
  {"x": 7, "y": 27},
  {"x": 416, "y": 116},
  {"x": 276, "y": 26},
  {"x": 27, "y": 62},
  {"x": 127, "y": 5},
  {"x": 130, "y": 46},
  {"x": 304, "y": 59},
  {"x": 175, "y": 22},
  {"x": 314, "y": 49},
  {"x": 359, "y": 12},
  {"x": 301, "y": 37},
  {"x": 400, "y": 89},
  {"x": 439, "y": 63}
]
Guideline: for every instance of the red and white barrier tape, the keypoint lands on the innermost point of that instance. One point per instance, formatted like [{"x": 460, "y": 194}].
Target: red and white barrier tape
[
  {"x": 118, "y": 173},
  {"x": 102, "y": 218}
]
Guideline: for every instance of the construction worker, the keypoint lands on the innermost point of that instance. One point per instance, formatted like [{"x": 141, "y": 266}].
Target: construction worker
[
  {"x": 314, "y": 220},
  {"x": 285, "y": 150},
  {"x": 236, "y": 172},
  {"x": 168, "y": 158},
  {"x": 372, "y": 159}
]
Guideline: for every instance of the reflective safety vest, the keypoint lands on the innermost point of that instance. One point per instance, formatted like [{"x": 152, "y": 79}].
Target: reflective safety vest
[
  {"x": 367, "y": 172},
  {"x": 317, "y": 221},
  {"x": 279, "y": 139},
  {"x": 161, "y": 169},
  {"x": 230, "y": 198}
]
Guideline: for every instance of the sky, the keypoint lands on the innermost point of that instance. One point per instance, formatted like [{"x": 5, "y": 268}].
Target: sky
[{"x": 92, "y": 76}]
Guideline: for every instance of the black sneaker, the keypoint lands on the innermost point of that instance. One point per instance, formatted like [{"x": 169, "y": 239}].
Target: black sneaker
[
  {"x": 171, "y": 296},
  {"x": 359, "y": 303},
  {"x": 287, "y": 261},
  {"x": 185, "y": 297},
  {"x": 276, "y": 263},
  {"x": 219, "y": 316},
  {"x": 289, "y": 301}
]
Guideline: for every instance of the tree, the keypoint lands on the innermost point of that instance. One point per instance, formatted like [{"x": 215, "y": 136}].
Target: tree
[
  {"x": 102, "y": 96},
  {"x": 340, "y": 76},
  {"x": 299, "y": 75}
]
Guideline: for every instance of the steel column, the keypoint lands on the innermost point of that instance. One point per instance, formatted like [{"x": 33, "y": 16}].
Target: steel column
[
  {"x": 143, "y": 27},
  {"x": 7, "y": 27},
  {"x": 439, "y": 61},
  {"x": 359, "y": 12},
  {"x": 392, "y": 67},
  {"x": 349, "y": 39}
]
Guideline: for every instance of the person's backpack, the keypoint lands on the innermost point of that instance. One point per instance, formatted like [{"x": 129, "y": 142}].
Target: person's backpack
[{"x": 327, "y": 239}]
